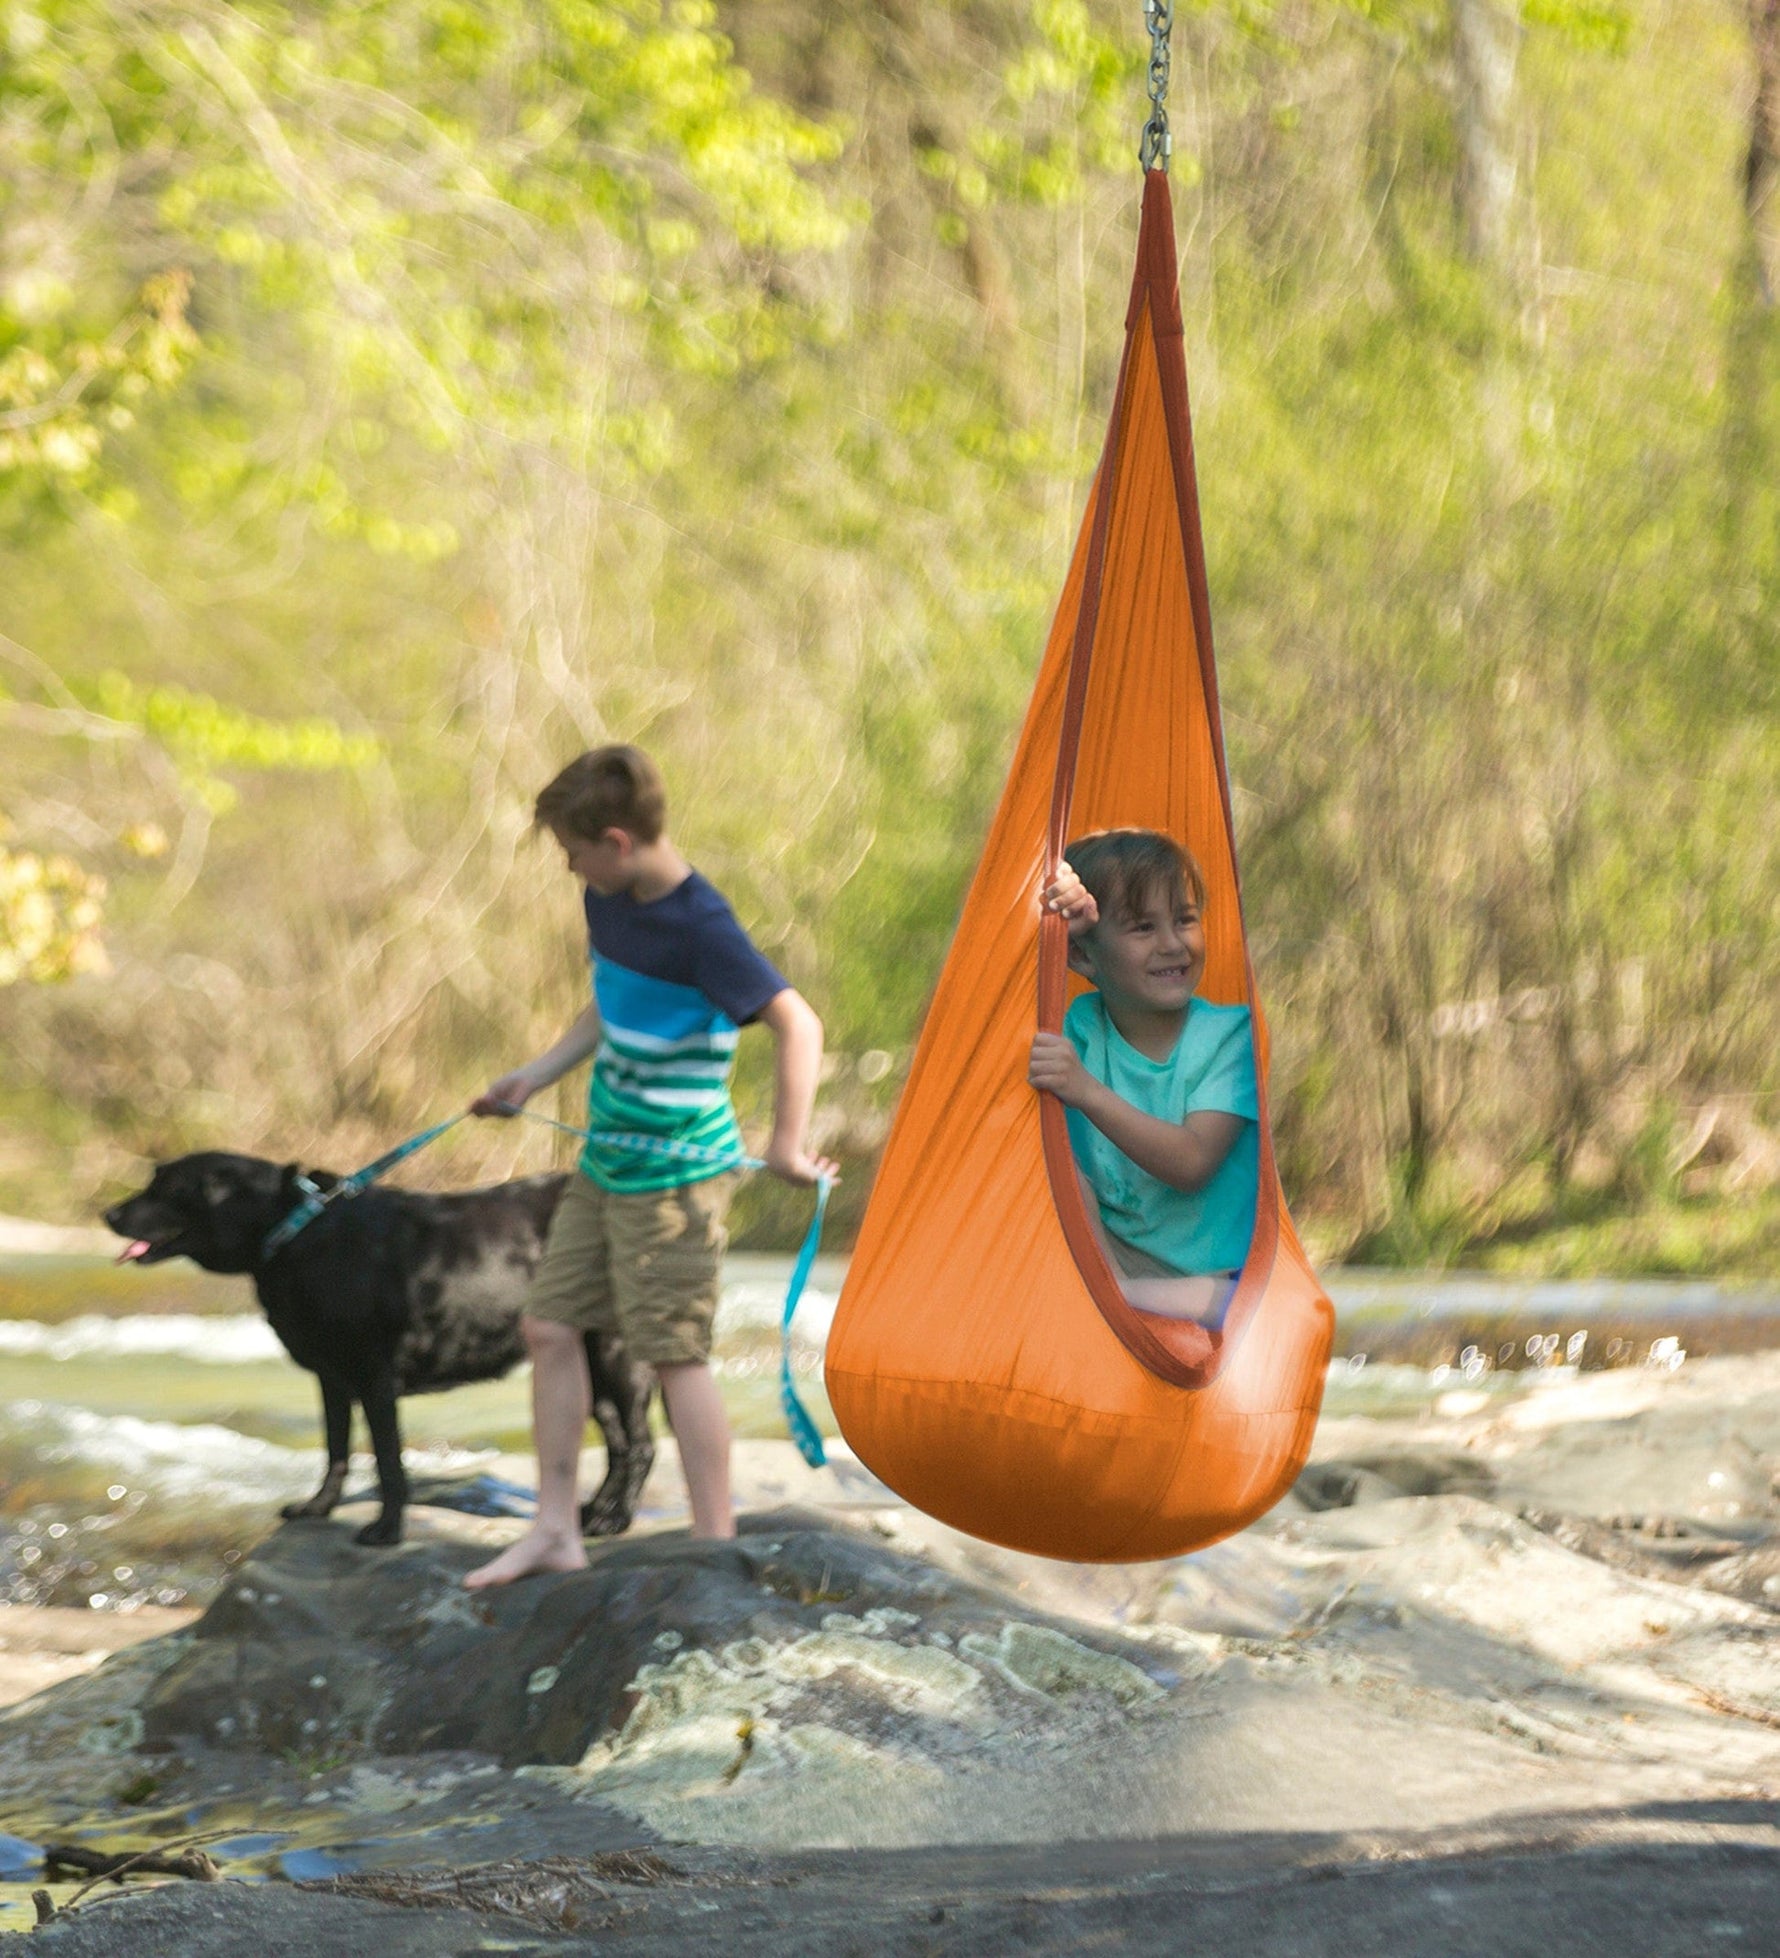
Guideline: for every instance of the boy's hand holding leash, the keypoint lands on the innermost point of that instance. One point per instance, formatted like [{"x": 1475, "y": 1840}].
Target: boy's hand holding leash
[
  {"x": 794, "y": 1164},
  {"x": 508, "y": 1095}
]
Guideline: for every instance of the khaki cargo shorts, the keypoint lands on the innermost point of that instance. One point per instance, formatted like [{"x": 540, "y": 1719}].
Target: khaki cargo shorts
[{"x": 645, "y": 1265}]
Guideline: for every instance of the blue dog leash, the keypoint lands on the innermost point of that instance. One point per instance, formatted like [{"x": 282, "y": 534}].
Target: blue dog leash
[
  {"x": 804, "y": 1431},
  {"x": 316, "y": 1199}
]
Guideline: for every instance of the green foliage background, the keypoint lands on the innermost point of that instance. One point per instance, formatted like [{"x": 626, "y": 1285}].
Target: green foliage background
[{"x": 397, "y": 396}]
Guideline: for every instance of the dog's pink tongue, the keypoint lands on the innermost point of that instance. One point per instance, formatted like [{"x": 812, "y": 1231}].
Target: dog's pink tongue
[{"x": 130, "y": 1252}]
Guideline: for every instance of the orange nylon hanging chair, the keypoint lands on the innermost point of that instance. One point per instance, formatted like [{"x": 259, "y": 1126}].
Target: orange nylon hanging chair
[{"x": 984, "y": 1362}]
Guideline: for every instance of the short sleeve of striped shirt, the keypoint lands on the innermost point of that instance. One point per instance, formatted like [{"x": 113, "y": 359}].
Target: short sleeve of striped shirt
[{"x": 691, "y": 938}]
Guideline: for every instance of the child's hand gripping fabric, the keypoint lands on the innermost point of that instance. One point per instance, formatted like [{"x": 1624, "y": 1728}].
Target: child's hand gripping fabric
[
  {"x": 1071, "y": 899},
  {"x": 1054, "y": 1065}
]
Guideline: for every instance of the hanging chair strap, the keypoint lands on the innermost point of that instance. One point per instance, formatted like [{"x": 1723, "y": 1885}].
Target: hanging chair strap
[{"x": 1156, "y": 145}]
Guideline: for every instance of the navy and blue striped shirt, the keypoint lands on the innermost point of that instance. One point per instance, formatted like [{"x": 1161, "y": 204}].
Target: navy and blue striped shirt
[{"x": 675, "y": 979}]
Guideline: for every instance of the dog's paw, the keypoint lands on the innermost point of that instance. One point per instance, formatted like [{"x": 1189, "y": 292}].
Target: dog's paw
[
  {"x": 294, "y": 1512},
  {"x": 604, "y": 1518},
  {"x": 381, "y": 1531}
]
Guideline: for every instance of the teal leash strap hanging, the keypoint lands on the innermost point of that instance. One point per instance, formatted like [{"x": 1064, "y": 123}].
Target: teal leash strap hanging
[{"x": 804, "y": 1431}]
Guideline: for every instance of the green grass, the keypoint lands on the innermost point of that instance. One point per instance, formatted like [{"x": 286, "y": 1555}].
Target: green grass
[
  {"x": 1524, "y": 1233},
  {"x": 1669, "y": 1237}
]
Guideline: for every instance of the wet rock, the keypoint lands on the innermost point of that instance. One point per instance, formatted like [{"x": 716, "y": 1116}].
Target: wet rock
[
  {"x": 1342, "y": 1485},
  {"x": 317, "y": 1646},
  {"x": 1348, "y": 1483}
]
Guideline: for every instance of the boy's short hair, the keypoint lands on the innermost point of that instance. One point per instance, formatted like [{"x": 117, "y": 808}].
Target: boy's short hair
[
  {"x": 1126, "y": 869},
  {"x": 617, "y": 787}
]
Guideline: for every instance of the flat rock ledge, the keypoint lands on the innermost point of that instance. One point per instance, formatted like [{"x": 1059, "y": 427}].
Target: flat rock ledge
[{"x": 315, "y": 1647}]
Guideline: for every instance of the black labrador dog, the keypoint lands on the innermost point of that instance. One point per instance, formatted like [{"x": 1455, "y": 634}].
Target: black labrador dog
[{"x": 386, "y": 1293}]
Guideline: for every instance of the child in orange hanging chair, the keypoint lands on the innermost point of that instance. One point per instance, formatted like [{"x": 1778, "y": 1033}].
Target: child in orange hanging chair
[{"x": 1159, "y": 1085}]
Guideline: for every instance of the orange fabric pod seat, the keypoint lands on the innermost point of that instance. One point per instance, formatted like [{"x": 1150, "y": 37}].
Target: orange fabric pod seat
[{"x": 983, "y": 1361}]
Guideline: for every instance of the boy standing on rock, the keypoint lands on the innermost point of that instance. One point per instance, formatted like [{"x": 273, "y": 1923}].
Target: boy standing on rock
[{"x": 637, "y": 1242}]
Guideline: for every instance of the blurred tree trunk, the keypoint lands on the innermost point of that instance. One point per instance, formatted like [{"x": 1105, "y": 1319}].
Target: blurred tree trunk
[
  {"x": 1751, "y": 415},
  {"x": 1761, "y": 169},
  {"x": 1485, "y": 50}
]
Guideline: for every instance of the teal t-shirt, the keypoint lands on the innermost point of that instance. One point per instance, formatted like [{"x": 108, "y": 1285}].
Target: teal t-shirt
[{"x": 1212, "y": 1068}]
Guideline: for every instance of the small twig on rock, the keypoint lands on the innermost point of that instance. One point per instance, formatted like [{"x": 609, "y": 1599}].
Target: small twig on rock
[
  {"x": 99, "y": 1866},
  {"x": 1723, "y": 1703}
]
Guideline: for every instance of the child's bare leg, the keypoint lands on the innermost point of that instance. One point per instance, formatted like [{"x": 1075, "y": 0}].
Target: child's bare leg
[
  {"x": 1186, "y": 1297},
  {"x": 696, "y": 1414},
  {"x": 561, "y": 1399}
]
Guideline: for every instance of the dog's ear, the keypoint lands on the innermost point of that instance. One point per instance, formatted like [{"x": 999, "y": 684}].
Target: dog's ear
[
  {"x": 226, "y": 1179},
  {"x": 170, "y": 1175}
]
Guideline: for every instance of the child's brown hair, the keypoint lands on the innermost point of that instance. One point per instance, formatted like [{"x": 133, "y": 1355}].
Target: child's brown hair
[
  {"x": 1127, "y": 869},
  {"x": 617, "y": 787}
]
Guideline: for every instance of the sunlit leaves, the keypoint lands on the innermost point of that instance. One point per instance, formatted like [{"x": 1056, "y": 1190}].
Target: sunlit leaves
[
  {"x": 1068, "y": 107},
  {"x": 1600, "y": 24},
  {"x": 429, "y": 191},
  {"x": 50, "y": 913},
  {"x": 63, "y": 393},
  {"x": 1604, "y": 25},
  {"x": 206, "y": 733}
]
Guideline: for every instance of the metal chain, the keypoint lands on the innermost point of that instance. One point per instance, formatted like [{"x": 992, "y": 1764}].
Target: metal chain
[{"x": 1157, "y": 145}]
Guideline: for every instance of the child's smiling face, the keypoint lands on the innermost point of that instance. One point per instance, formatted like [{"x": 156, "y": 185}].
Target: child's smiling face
[{"x": 1149, "y": 957}]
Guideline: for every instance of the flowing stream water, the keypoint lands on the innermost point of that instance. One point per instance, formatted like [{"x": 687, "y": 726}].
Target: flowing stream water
[{"x": 150, "y": 1424}]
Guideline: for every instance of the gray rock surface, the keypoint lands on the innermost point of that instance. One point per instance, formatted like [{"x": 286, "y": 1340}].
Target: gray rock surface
[
  {"x": 313, "y": 1647},
  {"x": 1260, "y": 1899},
  {"x": 1503, "y": 1676}
]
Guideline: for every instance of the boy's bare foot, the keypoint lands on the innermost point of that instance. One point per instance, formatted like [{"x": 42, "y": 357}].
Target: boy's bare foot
[{"x": 535, "y": 1554}]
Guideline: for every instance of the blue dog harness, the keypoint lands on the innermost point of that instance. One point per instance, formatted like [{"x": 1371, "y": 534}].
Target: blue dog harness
[{"x": 316, "y": 1199}]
